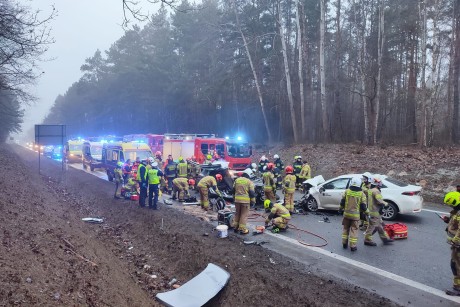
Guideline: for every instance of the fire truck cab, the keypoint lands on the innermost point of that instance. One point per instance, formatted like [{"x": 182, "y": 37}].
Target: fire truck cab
[{"x": 155, "y": 141}]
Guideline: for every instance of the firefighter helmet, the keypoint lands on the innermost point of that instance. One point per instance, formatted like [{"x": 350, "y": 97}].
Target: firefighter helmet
[
  {"x": 289, "y": 169},
  {"x": 263, "y": 158},
  {"x": 209, "y": 157},
  {"x": 191, "y": 182},
  {"x": 276, "y": 157},
  {"x": 452, "y": 199},
  {"x": 270, "y": 166},
  {"x": 119, "y": 164},
  {"x": 267, "y": 204},
  {"x": 219, "y": 177},
  {"x": 355, "y": 182}
]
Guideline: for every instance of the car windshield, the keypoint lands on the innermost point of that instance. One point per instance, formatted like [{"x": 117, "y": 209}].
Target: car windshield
[
  {"x": 239, "y": 150},
  {"x": 96, "y": 150},
  {"x": 74, "y": 147},
  {"x": 396, "y": 182}
]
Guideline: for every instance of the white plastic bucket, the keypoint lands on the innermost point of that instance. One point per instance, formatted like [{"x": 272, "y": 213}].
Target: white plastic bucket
[{"x": 222, "y": 231}]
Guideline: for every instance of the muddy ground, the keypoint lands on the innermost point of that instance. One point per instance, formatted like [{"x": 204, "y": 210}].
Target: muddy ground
[
  {"x": 49, "y": 257},
  {"x": 435, "y": 169}
]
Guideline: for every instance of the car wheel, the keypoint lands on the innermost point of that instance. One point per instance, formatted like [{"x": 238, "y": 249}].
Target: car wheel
[
  {"x": 312, "y": 204},
  {"x": 389, "y": 213}
]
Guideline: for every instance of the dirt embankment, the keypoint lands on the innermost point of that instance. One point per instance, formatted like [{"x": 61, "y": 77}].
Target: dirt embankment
[
  {"x": 48, "y": 256},
  {"x": 435, "y": 169}
]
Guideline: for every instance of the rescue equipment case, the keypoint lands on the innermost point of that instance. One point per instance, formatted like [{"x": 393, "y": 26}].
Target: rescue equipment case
[{"x": 396, "y": 231}]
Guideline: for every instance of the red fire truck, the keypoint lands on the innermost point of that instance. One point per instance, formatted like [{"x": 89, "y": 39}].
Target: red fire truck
[{"x": 236, "y": 152}]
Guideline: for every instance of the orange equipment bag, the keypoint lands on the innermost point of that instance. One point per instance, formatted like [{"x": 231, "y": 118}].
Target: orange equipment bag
[
  {"x": 134, "y": 197},
  {"x": 396, "y": 231}
]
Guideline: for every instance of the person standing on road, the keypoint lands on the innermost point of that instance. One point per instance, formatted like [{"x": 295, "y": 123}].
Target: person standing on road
[
  {"x": 362, "y": 215},
  {"x": 305, "y": 172},
  {"x": 452, "y": 199},
  {"x": 279, "y": 166},
  {"x": 269, "y": 183},
  {"x": 353, "y": 199},
  {"x": 153, "y": 176},
  {"x": 279, "y": 216},
  {"x": 263, "y": 162},
  {"x": 182, "y": 168},
  {"x": 204, "y": 185},
  {"x": 289, "y": 189},
  {"x": 375, "y": 203},
  {"x": 170, "y": 173},
  {"x": 118, "y": 176},
  {"x": 297, "y": 168},
  {"x": 244, "y": 196},
  {"x": 127, "y": 170},
  {"x": 143, "y": 183}
]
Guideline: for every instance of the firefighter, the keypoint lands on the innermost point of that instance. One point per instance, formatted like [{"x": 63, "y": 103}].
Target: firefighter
[
  {"x": 141, "y": 177},
  {"x": 208, "y": 159},
  {"x": 118, "y": 176},
  {"x": 362, "y": 215},
  {"x": 244, "y": 196},
  {"x": 279, "y": 166},
  {"x": 375, "y": 203},
  {"x": 352, "y": 200},
  {"x": 279, "y": 216},
  {"x": 159, "y": 161},
  {"x": 131, "y": 186},
  {"x": 180, "y": 186},
  {"x": 170, "y": 173},
  {"x": 204, "y": 185},
  {"x": 154, "y": 175},
  {"x": 305, "y": 172},
  {"x": 182, "y": 168},
  {"x": 269, "y": 183},
  {"x": 193, "y": 167},
  {"x": 297, "y": 168},
  {"x": 289, "y": 189},
  {"x": 136, "y": 164},
  {"x": 452, "y": 199},
  {"x": 126, "y": 170},
  {"x": 263, "y": 161}
]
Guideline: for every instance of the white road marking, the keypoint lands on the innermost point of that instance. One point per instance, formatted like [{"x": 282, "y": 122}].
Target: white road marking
[
  {"x": 371, "y": 269},
  {"x": 440, "y": 212}
]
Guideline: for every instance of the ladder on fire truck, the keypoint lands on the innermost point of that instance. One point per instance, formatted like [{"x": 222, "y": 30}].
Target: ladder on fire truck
[{"x": 187, "y": 136}]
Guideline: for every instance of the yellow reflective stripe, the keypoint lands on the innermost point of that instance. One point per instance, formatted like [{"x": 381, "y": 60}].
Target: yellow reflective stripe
[
  {"x": 242, "y": 198},
  {"x": 286, "y": 216}
]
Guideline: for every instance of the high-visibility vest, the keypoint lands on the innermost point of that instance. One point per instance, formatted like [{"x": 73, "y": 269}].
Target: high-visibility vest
[
  {"x": 244, "y": 189},
  {"x": 269, "y": 183},
  {"x": 353, "y": 199},
  {"x": 289, "y": 183},
  {"x": 153, "y": 176},
  {"x": 138, "y": 176},
  {"x": 182, "y": 169}
]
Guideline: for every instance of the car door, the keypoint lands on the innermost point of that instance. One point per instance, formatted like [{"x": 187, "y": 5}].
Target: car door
[{"x": 331, "y": 193}]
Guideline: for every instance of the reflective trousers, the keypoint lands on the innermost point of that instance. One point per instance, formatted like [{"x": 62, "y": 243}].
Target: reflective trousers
[
  {"x": 270, "y": 194},
  {"x": 289, "y": 201},
  {"x": 375, "y": 224},
  {"x": 241, "y": 216},
  {"x": 280, "y": 222},
  {"x": 455, "y": 266},
  {"x": 204, "y": 199},
  {"x": 350, "y": 232}
]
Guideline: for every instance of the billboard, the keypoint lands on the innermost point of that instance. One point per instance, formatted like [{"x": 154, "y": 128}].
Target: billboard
[{"x": 50, "y": 134}]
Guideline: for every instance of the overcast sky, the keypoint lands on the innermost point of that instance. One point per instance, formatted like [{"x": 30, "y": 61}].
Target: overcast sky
[{"x": 80, "y": 27}]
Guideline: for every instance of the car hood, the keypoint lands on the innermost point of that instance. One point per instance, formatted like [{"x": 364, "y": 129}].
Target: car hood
[{"x": 315, "y": 181}]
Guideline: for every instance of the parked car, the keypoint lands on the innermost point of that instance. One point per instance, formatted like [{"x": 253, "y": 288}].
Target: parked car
[
  {"x": 401, "y": 197},
  {"x": 92, "y": 155}
]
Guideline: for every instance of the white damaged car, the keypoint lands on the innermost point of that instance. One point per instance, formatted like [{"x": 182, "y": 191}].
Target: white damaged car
[{"x": 401, "y": 197}]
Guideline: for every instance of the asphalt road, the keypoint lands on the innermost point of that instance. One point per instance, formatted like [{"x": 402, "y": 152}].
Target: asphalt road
[{"x": 423, "y": 257}]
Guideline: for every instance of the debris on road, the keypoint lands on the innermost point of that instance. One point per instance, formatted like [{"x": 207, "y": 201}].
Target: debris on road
[{"x": 95, "y": 220}]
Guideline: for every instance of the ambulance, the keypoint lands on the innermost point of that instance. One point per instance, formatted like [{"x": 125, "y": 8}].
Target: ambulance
[
  {"x": 155, "y": 141},
  {"x": 114, "y": 152},
  {"x": 72, "y": 149}
]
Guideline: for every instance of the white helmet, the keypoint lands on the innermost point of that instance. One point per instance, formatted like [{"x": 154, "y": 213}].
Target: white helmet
[
  {"x": 355, "y": 182},
  {"x": 276, "y": 157},
  {"x": 155, "y": 164},
  {"x": 253, "y": 165},
  {"x": 151, "y": 159},
  {"x": 263, "y": 158},
  {"x": 367, "y": 175}
]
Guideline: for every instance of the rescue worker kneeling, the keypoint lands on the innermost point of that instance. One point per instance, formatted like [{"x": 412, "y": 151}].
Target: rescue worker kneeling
[
  {"x": 180, "y": 185},
  {"x": 204, "y": 185},
  {"x": 279, "y": 216}
]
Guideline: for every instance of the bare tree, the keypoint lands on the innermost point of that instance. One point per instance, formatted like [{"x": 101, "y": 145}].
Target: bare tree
[
  {"x": 300, "y": 69},
  {"x": 322, "y": 21},
  {"x": 25, "y": 37}
]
